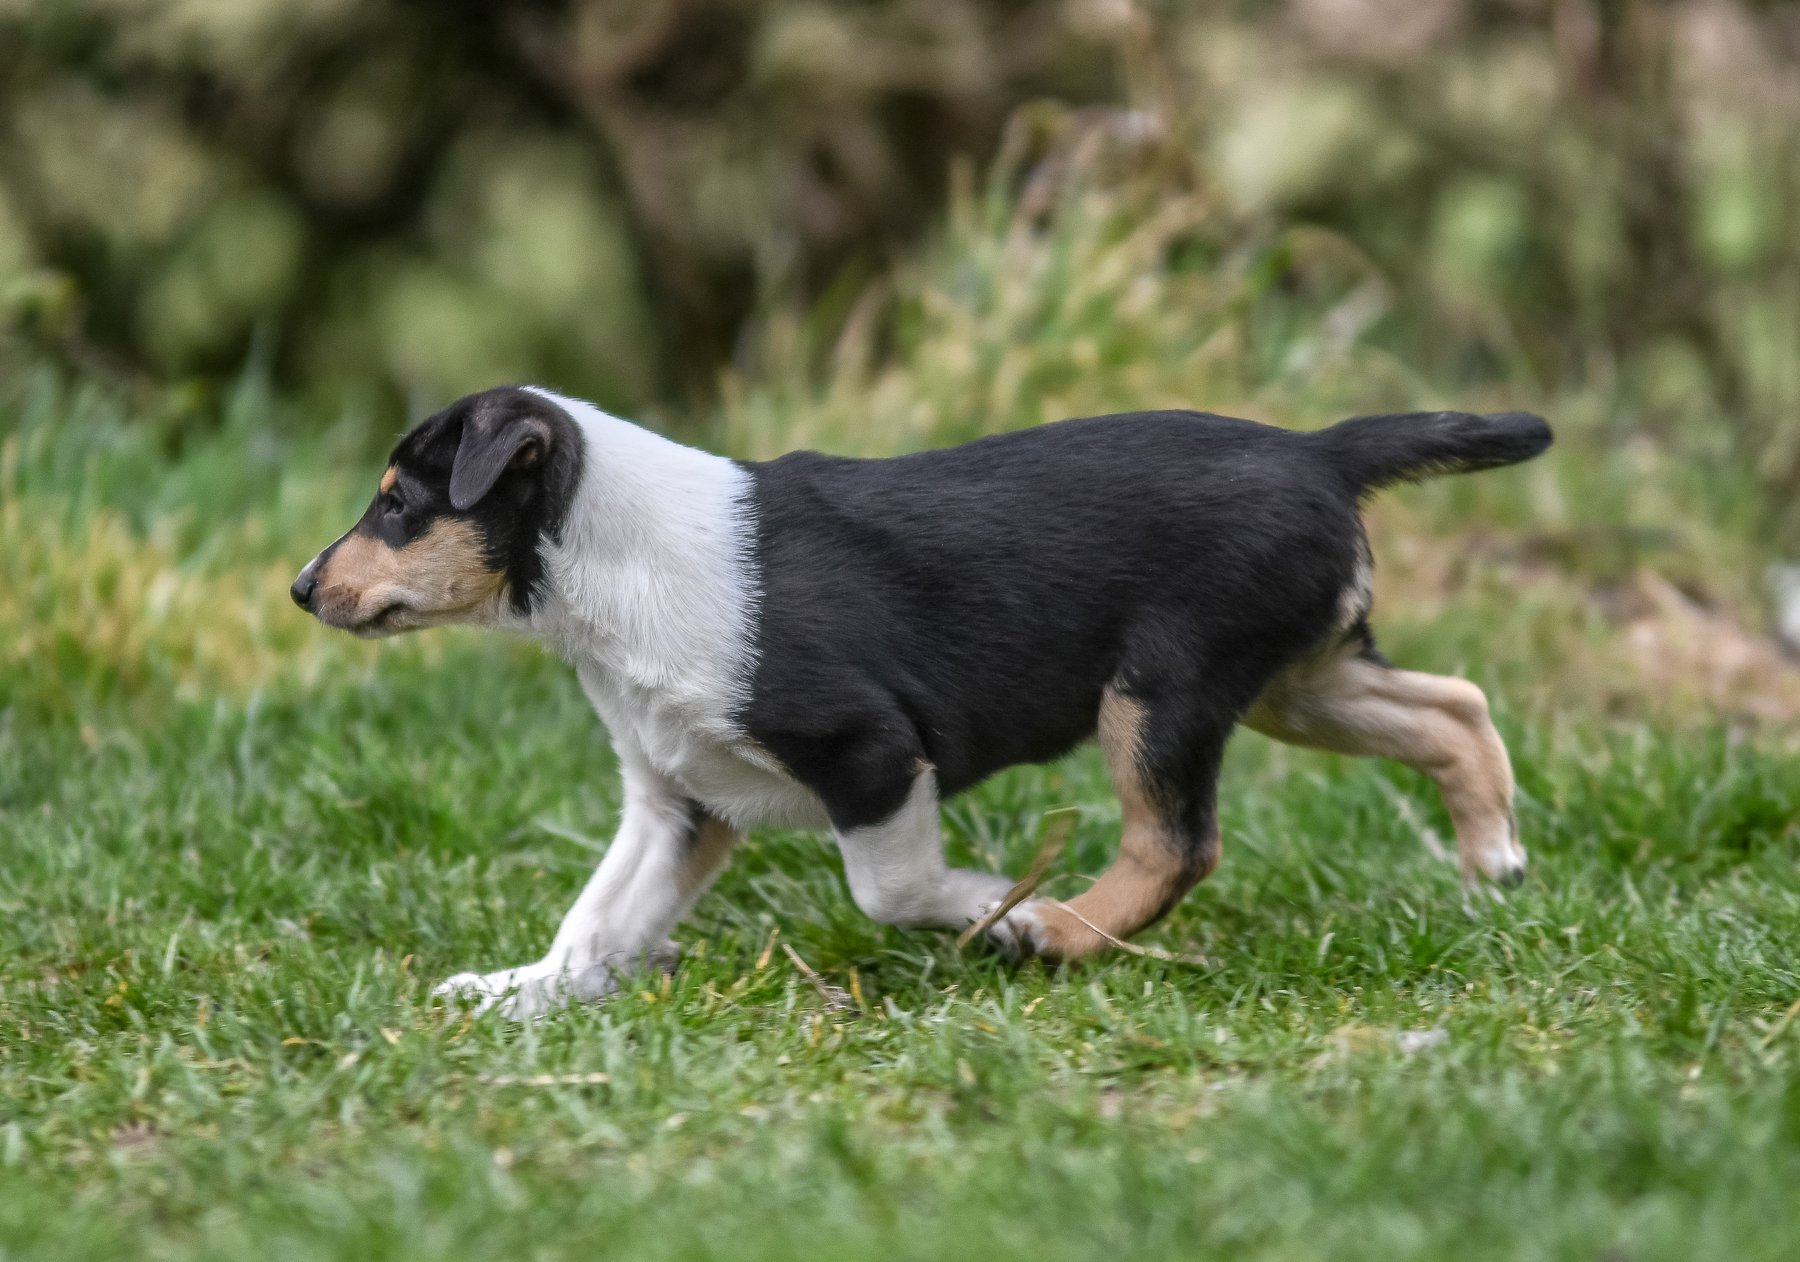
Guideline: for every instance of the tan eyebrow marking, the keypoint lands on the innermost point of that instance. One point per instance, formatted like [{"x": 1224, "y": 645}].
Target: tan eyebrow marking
[{"x": 388, "y": 479}]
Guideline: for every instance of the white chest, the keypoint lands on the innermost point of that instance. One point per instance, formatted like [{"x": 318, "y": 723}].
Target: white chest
[
  {"x": 651, "y": 593},
  {"x": 716, "y": 765}
]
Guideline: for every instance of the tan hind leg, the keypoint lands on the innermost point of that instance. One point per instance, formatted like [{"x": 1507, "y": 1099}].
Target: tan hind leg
[
  {"x": 1351, "y": 703},
  {"x": 1169, "y": 842}
]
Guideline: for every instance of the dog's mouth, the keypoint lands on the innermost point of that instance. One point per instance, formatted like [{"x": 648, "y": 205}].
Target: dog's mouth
[{"x": 383, "y": 622}]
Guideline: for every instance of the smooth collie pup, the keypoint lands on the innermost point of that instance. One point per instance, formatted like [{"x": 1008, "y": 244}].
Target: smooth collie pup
[{"x": 818, "y": 642}]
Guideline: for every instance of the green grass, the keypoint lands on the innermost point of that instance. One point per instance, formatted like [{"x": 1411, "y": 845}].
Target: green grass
[
  {"x": 218, "y": 934},
  {"x": 236, "y": 852},
  {"x": 224, "y": 899}
]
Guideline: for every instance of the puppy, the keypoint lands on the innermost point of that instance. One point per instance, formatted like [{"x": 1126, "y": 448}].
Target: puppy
[{"x": 817, "y": 642}]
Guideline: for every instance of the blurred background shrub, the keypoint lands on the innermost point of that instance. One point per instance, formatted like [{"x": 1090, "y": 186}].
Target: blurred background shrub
[
  {"x": 392, "y": 202},
  {"x": 427, "y": 197}
]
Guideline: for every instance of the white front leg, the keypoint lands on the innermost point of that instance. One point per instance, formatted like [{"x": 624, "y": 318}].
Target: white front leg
[
  {"x": 665, "y": 854},
  {"x": 897, "y": 872}
]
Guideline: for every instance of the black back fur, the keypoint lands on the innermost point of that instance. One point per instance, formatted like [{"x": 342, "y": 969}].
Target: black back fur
[{"x": 966, "y": 607}]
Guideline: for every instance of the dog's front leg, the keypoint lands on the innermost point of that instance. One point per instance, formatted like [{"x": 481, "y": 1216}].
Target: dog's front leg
[
  {"x": 666, "y": 852},
  {"x": 895, "y": 866}
]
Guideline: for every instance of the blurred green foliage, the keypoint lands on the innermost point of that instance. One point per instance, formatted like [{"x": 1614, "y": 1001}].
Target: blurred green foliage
[
  {"x": 619, "y": 196},
  {"x": 428, "y": 198}
]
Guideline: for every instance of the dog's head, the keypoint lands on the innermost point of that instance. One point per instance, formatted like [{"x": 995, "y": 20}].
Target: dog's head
[{"x": 454, "y": 532}]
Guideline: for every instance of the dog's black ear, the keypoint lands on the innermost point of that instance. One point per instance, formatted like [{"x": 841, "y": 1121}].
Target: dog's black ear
[{"x": 495, "y": 439}]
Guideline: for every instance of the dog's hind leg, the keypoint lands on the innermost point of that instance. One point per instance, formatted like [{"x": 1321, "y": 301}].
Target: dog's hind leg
[
  {"x": 1352, "y": 702},
  {"x": 665, "y": 854},
  {"x": 1164, "y": 758}
]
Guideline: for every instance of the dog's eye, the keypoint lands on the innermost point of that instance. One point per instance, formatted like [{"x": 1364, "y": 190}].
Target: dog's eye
[{"x": 392, "y": 504}]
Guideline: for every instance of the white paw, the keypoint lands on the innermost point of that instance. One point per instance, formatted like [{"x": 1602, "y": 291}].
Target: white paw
[
  {"x": 523, "y": 993},
  {"x": 1018, "y": 934},
  {"x": 1498, "y": 857}
]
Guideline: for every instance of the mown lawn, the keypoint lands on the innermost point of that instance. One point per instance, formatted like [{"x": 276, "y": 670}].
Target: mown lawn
[{"x": 235, "y": 853}]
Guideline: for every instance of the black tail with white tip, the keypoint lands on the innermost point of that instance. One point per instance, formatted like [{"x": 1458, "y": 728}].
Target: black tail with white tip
[{"x": 1370, "y": 452}]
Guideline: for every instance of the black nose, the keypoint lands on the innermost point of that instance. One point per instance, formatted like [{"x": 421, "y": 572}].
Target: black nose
[{"x": 302, "y": 591}]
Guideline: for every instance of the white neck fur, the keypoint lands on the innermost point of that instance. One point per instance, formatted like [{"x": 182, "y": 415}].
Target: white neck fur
[{"x": 651, "y": 591}]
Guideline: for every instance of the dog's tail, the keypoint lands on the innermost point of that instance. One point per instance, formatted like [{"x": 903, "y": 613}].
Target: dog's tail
[{"x": 1371, "y": 452}]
